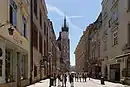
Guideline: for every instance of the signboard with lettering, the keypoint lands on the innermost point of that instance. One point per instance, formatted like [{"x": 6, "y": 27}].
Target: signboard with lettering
[{"x": 17, "y": 39}]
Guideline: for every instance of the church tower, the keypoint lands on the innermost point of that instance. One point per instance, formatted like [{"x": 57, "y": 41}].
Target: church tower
[{"x": 65, "y": 47}]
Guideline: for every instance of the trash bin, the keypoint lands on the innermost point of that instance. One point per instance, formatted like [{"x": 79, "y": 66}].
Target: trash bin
[{"x": 102, "y": 81}]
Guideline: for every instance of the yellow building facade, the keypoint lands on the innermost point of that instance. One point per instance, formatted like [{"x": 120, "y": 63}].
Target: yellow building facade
[{"x": 14, "y": 43}]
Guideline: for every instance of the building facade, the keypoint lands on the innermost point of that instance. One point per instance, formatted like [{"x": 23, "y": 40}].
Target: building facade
[
  {"x": 14, "y": 43},
  {"x": 80, "y": 53},
  {"x": 95, "y": 47},
  {"x": 64, "y": 45},
  {"x": 115, "y": 28},
  {"x": 52, "y": 47},
  {"x": 39, "y": 28}
]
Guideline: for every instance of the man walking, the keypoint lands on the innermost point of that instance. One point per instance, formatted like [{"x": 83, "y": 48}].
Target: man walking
[
  {"x": 71, "y": 79},
  {"x": 80, "y": 76},
  {"x": 55, "y": 77},
  {"x": 65, "y": 79},
  {"x": 85, "y": 76}
]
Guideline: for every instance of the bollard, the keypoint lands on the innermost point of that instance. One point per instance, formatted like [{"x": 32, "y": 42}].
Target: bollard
[{"x": 102, "y": 81}]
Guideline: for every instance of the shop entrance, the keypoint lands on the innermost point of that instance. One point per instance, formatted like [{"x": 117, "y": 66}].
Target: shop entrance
[{"x": 115, "y": 72}]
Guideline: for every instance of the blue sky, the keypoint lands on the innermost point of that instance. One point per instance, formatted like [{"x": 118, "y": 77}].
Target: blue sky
[{"x": 80, "y": 13}]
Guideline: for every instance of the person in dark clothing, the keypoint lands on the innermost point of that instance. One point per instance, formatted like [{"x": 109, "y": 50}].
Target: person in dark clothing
[
  {"x": 89, "y": 75},
  {"x": 58, "y": 76},
  {"x": 65, "y": 79},
  {"x": 76, "y": 77},
  {"x": 51, "y": 80},
  {"x": 71, "y": 79},
  {"x": 85, "y": 76},
  {"x": 55, "y": 79},
  {"x": 80, "y": 76}
]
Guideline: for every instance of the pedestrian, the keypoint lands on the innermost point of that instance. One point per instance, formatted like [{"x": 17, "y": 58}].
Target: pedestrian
[
  {"x": 76, "y": 77},
  {"x": 51, "y": 80},
  {"x": 62, "y": 80},
  {"x": 80, "y": 76},
  {"x": 89, "y": 75},
  {"x": 71, "y": 79},
  {"x": 55, "y": 77},
  {"x": 59, "y": 79},
  {"x": 65, "y": 79},
  {"x": 85, "y": 77}
]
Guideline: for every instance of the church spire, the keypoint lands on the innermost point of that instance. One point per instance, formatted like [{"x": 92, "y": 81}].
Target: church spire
[{"x": 65, "y": 27}]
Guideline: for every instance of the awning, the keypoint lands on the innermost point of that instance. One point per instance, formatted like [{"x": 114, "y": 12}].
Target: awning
[{"x": 123, "y": 55}]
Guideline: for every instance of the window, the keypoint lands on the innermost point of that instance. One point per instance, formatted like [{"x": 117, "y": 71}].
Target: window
[
  {"x": 115, "y": 13},
  {"x": 128, "y": 67},
  {"x": 110, "y": 22},
  {"x": 13, "y": 13},
  {"x": 35, "y": 7},
  {"x": 24, "y": 26},
  {"x": 44, "y": 47},
  {"x": 128, "y": 5},
  {"x": 35, "y": 36},
  {"x": 8, "y": 66},
  {"x": 40, "y": 42},
  {"x": 129, "y": 33},
  {"x": 105, "y": 45},
  {"x": 35, "y": 70},
  {"x": 115, "y": 37},
  {"x": 44, "y": 28},
  {"x": 40, "y": 19},
  {"x": 0, "y": 67},
  {"x": 23, "y": 67}
]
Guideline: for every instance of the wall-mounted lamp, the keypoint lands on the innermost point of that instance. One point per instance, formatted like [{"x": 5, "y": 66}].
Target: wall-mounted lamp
[{"x": 11, "y": 31}]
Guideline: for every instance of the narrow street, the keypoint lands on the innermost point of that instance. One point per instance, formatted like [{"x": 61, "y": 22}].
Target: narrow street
[{"x": 89, "y": 83}]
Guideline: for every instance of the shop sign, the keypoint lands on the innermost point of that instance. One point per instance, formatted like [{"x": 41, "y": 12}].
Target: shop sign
[{"x": 17, "y": 38}]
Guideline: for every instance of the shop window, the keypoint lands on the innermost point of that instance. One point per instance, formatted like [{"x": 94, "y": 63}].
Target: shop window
[
  {"x": 7, "y": 67},
  {"x": 23, "y": 67},
  {"x": 128, "y": 67},
  {"x": 128, "y": 33}
]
